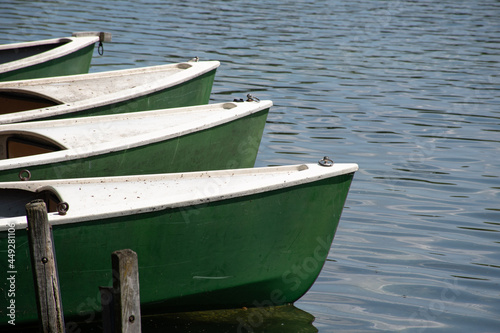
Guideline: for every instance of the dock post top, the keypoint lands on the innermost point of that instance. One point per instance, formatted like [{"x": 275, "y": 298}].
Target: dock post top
[{"x": 103, "y": 36}]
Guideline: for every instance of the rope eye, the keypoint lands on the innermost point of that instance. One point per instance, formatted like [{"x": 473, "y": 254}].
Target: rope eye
[
  {"x": 326, "y": 162},
  {"x": 62, "y": 208},
  {"x": 24, "y": 175},
  {"x": 251, "y": 98}
]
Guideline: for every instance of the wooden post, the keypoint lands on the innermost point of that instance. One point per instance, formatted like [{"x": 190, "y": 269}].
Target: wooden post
[
  {"x": 108, "y": 312},
  {"x": 44, "y": 267},
  {"x": 127, "y": 305}
]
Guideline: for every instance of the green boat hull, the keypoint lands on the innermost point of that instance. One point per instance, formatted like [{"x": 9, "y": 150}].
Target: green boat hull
[
  {"x": 228, "y": 146},
  {"x": 77, "y": 62},
  {"x": 258, "y": 250}
]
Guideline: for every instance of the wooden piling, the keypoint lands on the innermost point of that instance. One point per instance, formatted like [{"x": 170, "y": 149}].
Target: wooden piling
[
  {"x": 44, "y": 266},
  {"x": 127, "y": 306},
  {"x": 108, "y": 309}
]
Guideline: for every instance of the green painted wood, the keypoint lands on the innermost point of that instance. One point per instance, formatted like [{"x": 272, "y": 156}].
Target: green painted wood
[
  {"x": 257, "y": 250},
  {"x": 227, "y": 146},
  {"x": 74, "y": 63}
]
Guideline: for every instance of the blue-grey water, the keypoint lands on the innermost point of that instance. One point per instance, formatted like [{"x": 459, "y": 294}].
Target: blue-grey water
[{"x": 409, "y": 90}]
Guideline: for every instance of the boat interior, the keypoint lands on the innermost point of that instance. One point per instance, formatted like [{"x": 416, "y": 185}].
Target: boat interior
[
  {"x": 13, "y": 201},
  {"x": 13, "y": 54},
  {"x": 16, "y": 145},
  {"x": 14, "y": 101}
]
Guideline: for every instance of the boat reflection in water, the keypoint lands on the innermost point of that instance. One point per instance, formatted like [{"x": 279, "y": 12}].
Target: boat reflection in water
[
  {"x": 271, "y": 319},
  {"x": 286, "y": 318}
]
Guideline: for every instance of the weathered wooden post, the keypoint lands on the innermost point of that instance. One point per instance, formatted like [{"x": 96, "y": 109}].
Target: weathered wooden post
[
  {"x": 126, "y": 299},
  {"x": 44, "y": 266}
]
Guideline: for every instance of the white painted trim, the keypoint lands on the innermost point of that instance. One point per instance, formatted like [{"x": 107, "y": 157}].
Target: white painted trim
[{"x": 107, "y": 197}]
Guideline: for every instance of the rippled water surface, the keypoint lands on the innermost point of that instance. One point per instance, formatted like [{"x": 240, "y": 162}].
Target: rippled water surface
[{"x": 409, "y": 90}]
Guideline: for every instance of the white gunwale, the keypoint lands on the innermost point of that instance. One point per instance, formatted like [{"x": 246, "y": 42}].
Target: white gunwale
[{"x": 107, "y": 197}]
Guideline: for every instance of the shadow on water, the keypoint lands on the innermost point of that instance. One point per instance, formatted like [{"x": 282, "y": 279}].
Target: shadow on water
[
  {"x": 285, "y": 318},
  {"x": 269, "y": 319}
]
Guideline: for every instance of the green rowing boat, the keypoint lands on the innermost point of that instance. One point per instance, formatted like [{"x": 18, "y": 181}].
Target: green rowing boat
[
  {"x": 205, "y": 240},
  {"x": 203, "y": 137},
  {"x": 50, "y": 57},
  {"x": 121, "y": 91}
]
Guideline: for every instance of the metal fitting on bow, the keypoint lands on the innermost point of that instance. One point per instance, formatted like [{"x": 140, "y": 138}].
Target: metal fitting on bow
[
  {"x": 326, "y": 162},
  {"x": 251, "y": 98}
]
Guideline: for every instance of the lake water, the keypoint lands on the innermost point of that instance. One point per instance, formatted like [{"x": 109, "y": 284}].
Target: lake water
[{"x": 409, "y": 90}]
